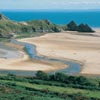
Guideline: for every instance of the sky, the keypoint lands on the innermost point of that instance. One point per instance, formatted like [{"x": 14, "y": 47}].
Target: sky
[{"x": 50, "y": 4}]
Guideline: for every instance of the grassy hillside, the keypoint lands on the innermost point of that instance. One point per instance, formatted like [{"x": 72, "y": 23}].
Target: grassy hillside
[
  {"x": 43, "y": 88},
  {"x": 9, "y": 28}
]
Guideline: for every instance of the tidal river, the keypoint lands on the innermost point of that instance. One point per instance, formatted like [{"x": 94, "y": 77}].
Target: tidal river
[{"x": 74, "y": 68}]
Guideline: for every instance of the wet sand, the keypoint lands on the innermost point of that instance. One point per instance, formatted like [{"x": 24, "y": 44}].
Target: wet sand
[{"x": 10, "y": 60}]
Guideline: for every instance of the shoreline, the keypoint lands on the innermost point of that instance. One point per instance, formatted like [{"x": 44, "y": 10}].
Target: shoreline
[
  {"x": 70, "y": 63},
  {"x": 32, "y": 52},
  {"x": 49, "y": 69},
  {"x": 80, "y": 48},
  {"x": 25, "y": 64},
  {"x": 71, "y": 46}
]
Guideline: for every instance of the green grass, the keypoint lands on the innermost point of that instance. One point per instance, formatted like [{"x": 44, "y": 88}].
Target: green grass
[
  {"x": 46, "y": 98},
  {"x": 18, "y": 93},
  {"x": 26, "y": 35},
  {"x": 88, "y": 93}
]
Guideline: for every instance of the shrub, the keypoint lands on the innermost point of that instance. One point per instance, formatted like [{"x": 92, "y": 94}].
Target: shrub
[{"x": 42, "y": 75}]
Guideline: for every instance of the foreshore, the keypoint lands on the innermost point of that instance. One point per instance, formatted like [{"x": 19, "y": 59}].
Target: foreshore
[
  {"x": 79, "y": 47},
  {"x": 24, "y": 63}
]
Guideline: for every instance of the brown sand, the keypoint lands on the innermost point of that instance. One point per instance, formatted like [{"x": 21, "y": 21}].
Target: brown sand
[
  {"x": 83, "y": 47},
  {"x": 25, "y": 63}
]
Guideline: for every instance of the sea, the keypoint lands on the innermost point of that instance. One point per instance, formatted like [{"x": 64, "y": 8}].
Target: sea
[{"x": 91, "y": 18}]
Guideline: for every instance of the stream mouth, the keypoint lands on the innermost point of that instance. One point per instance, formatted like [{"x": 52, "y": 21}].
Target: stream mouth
[{"x": 73, "y": 69}]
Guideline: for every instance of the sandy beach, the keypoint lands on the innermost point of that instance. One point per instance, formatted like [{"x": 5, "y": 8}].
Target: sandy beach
[
  {"x": 82, "y": 47},
  {"x": 19, "y": 60},
  {"x": 74, "y": 46}
]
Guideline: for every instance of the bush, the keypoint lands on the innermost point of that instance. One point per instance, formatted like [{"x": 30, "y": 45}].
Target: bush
[
  {"x": 60, "y": 77},
  {"x": 42, "y": 75}
]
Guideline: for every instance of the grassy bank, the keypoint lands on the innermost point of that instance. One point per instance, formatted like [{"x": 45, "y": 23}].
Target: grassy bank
[{"x": 35, "y": 88}]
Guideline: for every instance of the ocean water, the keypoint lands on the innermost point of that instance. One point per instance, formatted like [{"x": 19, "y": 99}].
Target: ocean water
[{"x": 58, "y": 17}]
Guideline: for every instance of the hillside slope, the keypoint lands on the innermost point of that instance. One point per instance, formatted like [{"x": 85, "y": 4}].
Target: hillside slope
[{"x": 9, "y": 27}]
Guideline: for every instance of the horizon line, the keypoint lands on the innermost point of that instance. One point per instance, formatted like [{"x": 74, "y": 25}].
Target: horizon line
[{"x": 49, "y": 9}]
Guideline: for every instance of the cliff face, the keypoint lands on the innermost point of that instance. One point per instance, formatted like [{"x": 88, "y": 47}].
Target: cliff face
[
  {"x": 72, "y": 26},
  {"x": 84, "y": 28},
  {"x": 42, "y": 26}
]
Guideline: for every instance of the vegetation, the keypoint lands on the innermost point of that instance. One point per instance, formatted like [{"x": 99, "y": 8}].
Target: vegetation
[
  {"x": 43, "y": 86},
  {"x": 10, "y": 28},
  {"x": 57, "y": 86}
]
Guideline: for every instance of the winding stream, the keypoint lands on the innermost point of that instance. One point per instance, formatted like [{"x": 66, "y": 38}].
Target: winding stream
[{"x": 74, "y": 68}]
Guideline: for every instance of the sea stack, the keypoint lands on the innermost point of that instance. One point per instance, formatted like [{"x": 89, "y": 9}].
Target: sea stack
[{"x": 72, "y": 26}]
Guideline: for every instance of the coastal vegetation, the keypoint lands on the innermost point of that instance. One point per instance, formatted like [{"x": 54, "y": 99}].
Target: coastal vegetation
[
  {"x": 45, "y": 86},
  {"x": 9, "y": 28}
]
